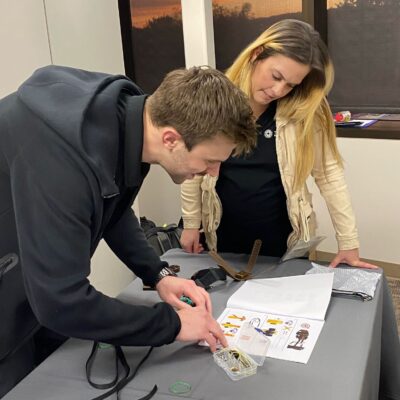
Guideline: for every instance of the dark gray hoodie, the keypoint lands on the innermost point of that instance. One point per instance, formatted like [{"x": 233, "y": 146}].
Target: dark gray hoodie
[{"x": 71, "y": 144}]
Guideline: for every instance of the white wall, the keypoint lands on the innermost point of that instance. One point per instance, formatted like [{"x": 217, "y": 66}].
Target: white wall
[
  {"x": 85, "y": 34},
  {"x": 198, "y": 32},
  {"x": 159, "y": 197},
  {"x": 372, "y": 168},
  {"x": 23, "y": 42}
]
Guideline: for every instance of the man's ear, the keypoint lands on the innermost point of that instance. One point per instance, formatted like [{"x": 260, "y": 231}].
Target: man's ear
[
  {"x": 170, "y": 138},
  {"x": 256, "y": 52}
]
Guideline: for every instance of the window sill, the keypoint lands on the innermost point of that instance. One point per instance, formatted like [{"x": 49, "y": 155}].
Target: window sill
[{"x": 378, "y": 130}]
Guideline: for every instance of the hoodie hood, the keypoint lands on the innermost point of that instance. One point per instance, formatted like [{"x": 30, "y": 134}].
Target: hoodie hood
[{"x": 81, "y": 108}]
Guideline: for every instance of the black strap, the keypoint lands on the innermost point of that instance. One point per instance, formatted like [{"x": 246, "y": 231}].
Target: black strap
[
  {"x": 363, "y": 296},
  {"x": 206, "y": 277},
  {"x": 164, "y": 241},
  {"x": 114, "y": 384}
]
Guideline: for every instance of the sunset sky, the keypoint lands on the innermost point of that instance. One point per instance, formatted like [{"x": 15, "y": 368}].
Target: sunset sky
[{"x": 144, "y": 10}]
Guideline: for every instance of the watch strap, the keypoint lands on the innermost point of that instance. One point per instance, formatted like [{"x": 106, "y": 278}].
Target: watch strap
[{"x": 164, "y": 272}]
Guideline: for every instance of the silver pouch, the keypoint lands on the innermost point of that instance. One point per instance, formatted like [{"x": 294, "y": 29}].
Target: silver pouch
[{"x": 350, "y": 281}]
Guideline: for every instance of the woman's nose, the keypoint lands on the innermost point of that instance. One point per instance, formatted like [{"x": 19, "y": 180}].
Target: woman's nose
[{"x": 279, "y": 89}]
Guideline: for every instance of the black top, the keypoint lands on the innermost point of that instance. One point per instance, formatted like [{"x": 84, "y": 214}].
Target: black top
[
  {"x": 70, "y": 159},
  {"x": 253, "y": 198}
]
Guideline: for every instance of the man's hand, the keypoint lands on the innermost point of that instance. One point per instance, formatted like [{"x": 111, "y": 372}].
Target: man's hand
[
  {"x": 197, "y": 324},
  {"x": 171, "y": 288},
  {"x": 352, "y": 258},
  {"x": 190, "y": 241}
]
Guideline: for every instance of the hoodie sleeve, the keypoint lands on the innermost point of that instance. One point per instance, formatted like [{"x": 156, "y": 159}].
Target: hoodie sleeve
[{"x": 54, "y": 204}]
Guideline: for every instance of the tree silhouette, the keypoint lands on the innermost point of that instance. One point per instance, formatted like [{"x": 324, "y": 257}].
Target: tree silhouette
[
  {"x": 368, "y": 3},
  {"x": 157, "y": 49},
  {"x": 246, "y": 10},
  {"x": 364, "y": 42},
  {"x": 234, "y": 29}
]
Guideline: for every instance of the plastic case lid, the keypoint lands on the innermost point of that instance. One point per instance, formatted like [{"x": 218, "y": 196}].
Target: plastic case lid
[{"x": 254, "y": 343}]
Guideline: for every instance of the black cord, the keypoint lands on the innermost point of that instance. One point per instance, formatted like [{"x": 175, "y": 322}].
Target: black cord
[{"x": 117, "y": 386}]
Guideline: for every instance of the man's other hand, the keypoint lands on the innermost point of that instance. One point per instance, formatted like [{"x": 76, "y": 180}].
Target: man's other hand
[{"x": 197, "y": 324}]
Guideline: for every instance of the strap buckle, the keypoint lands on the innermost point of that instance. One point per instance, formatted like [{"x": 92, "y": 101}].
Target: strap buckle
[{"x": 232, "y": 272}]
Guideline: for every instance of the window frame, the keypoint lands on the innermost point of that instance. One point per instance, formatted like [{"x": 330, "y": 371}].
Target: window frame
[
  {"x": 315, "y": 13},
  {"x": 125, "y": 19}
]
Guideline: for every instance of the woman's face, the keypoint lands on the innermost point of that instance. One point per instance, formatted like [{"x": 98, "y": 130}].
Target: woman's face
[{"x": 274, "y": 77}]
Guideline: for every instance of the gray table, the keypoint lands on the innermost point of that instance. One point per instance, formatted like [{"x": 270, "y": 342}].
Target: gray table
[{"x": 357, "y": 352}]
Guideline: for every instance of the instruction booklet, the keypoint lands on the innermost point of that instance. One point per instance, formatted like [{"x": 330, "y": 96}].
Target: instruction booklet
[{"x": 290, "y": 311}]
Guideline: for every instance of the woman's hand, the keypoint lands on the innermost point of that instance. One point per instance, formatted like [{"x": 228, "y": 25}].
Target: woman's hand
[
  {"x": 190, "y": 241},
  {"x": 352, "y": 258}
]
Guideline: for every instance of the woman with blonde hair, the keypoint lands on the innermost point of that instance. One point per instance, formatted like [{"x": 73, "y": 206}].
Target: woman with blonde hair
[{"x": 286, "y": 73}]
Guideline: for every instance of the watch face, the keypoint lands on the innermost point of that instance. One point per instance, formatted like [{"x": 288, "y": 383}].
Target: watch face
[
  {"x": 166, "y": 272},
  {"x": 163, "y": 273}
]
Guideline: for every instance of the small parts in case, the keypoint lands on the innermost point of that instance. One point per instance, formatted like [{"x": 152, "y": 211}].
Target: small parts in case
[{"x": 235, "y": 362}]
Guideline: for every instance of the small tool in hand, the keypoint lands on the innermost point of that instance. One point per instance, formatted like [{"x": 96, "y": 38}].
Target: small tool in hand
[{"x": 187, "y": 300}]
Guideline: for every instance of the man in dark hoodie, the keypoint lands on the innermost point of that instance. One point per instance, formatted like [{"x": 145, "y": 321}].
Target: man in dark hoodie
[{"x": 75, "y": 147}]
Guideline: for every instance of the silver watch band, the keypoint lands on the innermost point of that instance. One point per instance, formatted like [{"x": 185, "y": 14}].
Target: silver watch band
[{"x": 166, "y": 271}]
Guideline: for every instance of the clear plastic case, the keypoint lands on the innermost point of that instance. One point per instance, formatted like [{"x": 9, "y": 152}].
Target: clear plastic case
[
  {"x": 235, "y": 362},
  {"x": 254, "y": 343}
]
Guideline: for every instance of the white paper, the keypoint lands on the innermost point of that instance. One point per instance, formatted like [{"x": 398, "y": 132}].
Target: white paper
[{"x": 302, "y": 296}]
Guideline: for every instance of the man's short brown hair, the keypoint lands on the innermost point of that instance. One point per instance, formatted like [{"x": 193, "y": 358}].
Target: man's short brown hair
[{"x": 201, "y": 102}]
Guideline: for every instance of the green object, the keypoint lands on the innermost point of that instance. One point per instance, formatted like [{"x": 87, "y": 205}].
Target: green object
[
  {"x": 180, "y": 387},
  {"x": 187, "y": 300},
  {"x": 104, "y": 345}
]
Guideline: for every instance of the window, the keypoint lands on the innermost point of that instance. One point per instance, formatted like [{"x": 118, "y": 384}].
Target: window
[
  {"x": 152, "y": 39},
  {"x": 237, "y": 23},
  {"x": 363, "y": 38},
  {"x": 364, "y": 42}
]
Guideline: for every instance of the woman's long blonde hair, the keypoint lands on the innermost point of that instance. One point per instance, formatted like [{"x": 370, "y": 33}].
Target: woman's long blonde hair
[{"x": 306, "y": 105}]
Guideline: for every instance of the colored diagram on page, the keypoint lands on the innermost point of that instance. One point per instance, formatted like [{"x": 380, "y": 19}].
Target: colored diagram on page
[
  {"x": 291, "y": 338},
  {"x": 290, "y": 311}
]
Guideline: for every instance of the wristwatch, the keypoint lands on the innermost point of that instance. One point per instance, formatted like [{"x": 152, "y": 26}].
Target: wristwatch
[{"x": 166, "y": 271}]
